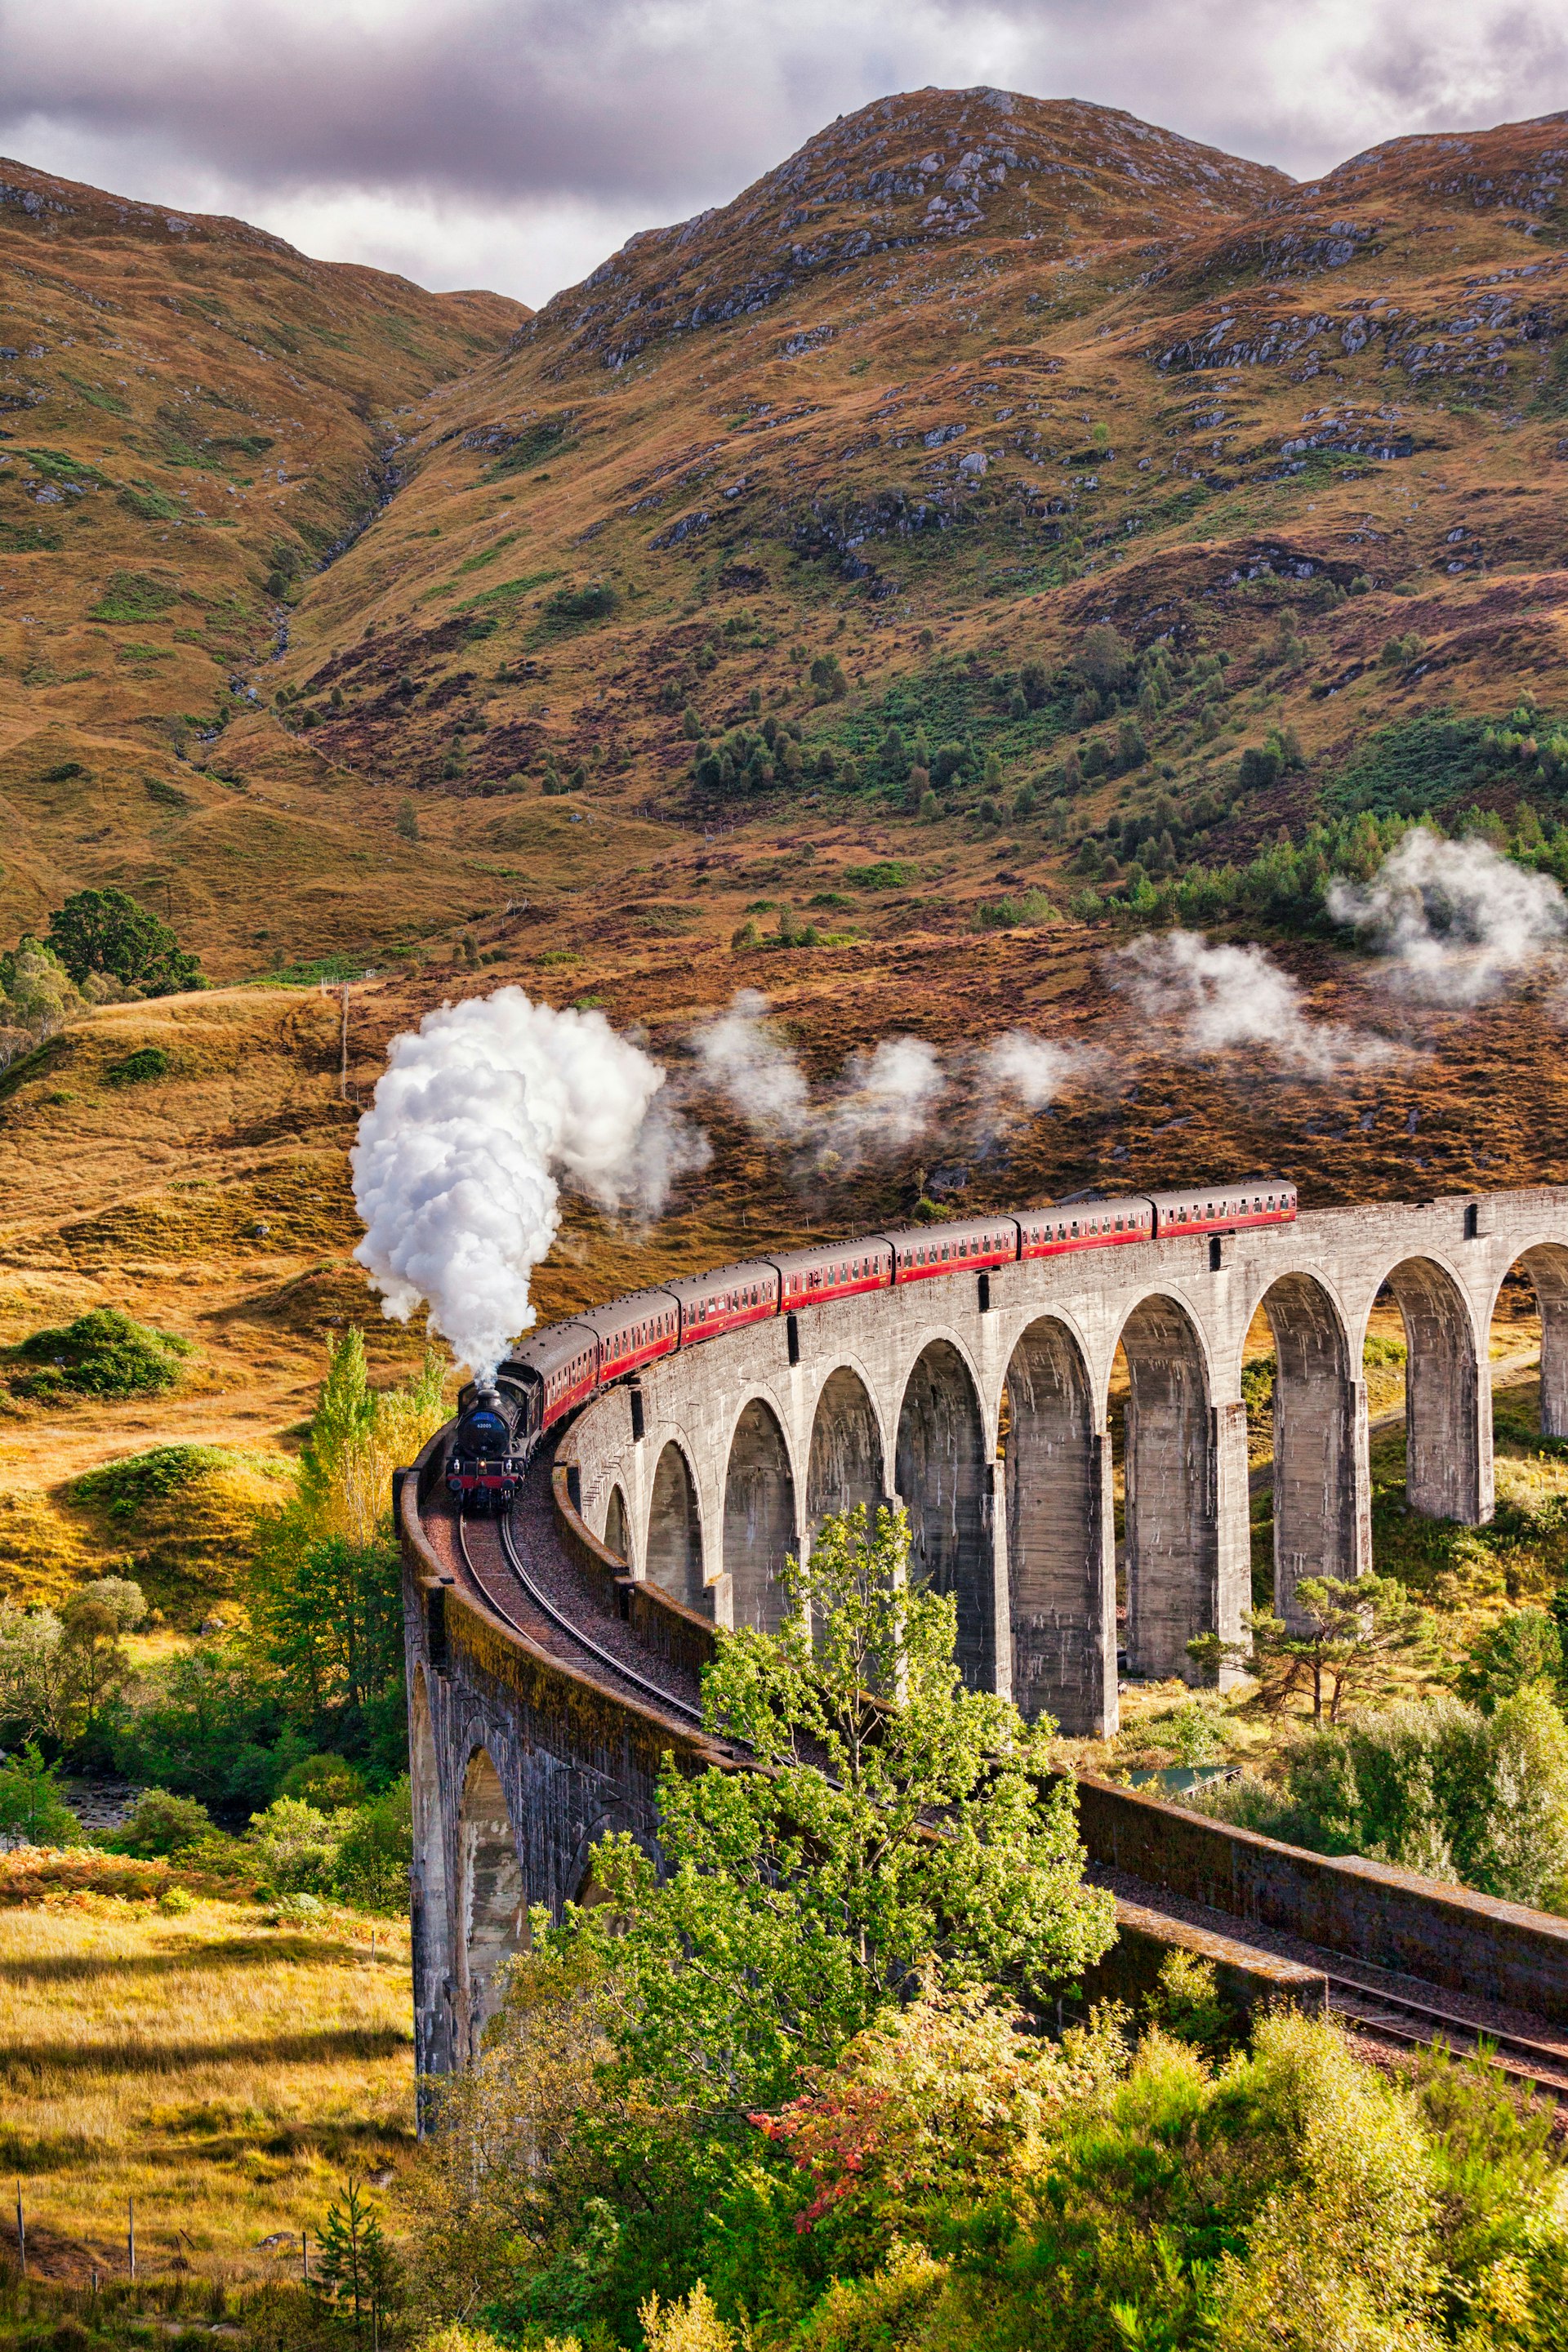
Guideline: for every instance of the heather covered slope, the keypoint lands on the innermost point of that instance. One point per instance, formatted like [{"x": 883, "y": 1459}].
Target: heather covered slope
[
  {"x": 193, "y": 416},
  {"x": 968, "y": 373}
]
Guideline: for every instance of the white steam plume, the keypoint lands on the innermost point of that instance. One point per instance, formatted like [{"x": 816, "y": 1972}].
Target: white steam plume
[
  {"x": 1031, "y": 1069},
  {"x": 886, "y": 1100},
  {"x": 1225, "y": 997},
  {"x": 742, "y": 1060},
  {"x": 888, "y": 1097},
  {"x": 479, "y": 1118},
  {"x": 1457, "y": 919}
]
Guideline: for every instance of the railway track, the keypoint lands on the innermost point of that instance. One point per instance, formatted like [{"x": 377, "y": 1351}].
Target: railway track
[
  {"x": 508, "y": 1580},
  {"x": 1419, "y": 2024}
]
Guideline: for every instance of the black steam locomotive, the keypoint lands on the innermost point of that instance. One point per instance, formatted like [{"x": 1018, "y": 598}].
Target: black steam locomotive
[{"x": 490, "y": 1445}]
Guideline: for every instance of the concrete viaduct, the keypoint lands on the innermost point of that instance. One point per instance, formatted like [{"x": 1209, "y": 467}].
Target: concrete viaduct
[{"x": 554, "y": 1659}]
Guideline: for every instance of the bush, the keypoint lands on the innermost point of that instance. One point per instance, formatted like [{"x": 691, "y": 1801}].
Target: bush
[
  {"x": 328, "y": 1782},
  {"x": 1432, "y": 1785},
  {"x": 28, "y": 1873},
  {"x": 594, "y": 601},
  {"x": 139, "y": 1069},
  {"x": 161, "y": 1823},
  {"x": 376, "y": 1853},
  {"x": 104, "y": 1353},
  {"x": 296, "y": 1847}
]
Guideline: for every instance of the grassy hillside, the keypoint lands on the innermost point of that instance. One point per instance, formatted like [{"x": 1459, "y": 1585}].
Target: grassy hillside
[
  {"x": 224, "y": 2072},
  {"x": 194, "y": 418}
]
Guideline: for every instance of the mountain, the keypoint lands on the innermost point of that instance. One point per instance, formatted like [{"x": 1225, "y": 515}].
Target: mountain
[
  {"x": 297, "y": 553},
  {"x": 968, "y": 374},
  {"x": 194, "y": 419}
]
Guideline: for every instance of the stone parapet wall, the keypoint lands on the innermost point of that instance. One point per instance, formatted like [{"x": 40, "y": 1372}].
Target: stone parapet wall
[{"x": 1388, "y": 1917}]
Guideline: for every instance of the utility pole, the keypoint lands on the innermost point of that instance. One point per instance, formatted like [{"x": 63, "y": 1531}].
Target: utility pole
[
  {"x": 21, "y": 2233},
  {"x": 131, "y": 2232},
  {"x": 344, "y": 1050}
]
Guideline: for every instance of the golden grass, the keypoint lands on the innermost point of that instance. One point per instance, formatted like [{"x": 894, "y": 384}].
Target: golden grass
[{"x": 224, "y": 2074}]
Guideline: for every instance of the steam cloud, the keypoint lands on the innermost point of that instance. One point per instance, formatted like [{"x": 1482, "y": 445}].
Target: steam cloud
[
  {"x": 1456, "y": 920},
  {"x": 479, "y": 1118},
  {"x": 742, "y": 1060},
  {"x": 1223, "y": 997},
  {"x": 887, "y": 1097}
]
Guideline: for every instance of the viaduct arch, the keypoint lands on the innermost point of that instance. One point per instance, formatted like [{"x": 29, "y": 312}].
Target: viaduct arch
[{"x": 548, "y": 1685}]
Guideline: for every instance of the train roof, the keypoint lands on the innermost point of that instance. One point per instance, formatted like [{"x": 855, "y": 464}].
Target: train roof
[
  {"x": 830, "y": 1253},
  {"x": 555, "y": 1345},
  {"x": 617, "y": 1313},
  {"x": 1089, "y": 1204},
  {"x": 724, "y": 1277},
  {"x": 1224, "y": 1188}
]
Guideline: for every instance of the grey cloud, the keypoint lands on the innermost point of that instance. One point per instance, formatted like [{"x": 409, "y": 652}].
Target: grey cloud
[{"x": 654, "y": 112}]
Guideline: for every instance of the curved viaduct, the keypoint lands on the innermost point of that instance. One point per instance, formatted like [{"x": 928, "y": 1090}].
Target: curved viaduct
[{"x": 553, "y": 1658}]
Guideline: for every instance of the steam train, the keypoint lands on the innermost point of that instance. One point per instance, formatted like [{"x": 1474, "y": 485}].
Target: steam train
[{"x": 563, "y": 1367}]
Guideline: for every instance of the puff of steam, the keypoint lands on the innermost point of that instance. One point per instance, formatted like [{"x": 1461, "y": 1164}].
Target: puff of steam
[
  {"x": 885, "y": 1099},
  {"x": 479, "y": 1118},
  {"x": 744, "y": 1061},
  {"x": 1223, "y": 997},
  {"x": 1455, "y": 918},
  {"x": 1029, "y": 1068}
]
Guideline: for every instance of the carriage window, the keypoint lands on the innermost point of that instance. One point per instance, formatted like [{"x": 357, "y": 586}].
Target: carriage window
[{"x": 1075, "y": 1229}]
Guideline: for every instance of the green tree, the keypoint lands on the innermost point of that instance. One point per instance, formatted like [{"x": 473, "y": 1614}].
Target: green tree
[
  {"x": 31, "y": 1806},
  {"x": 1523, "y": 1651},
  {"x": 880, "y": 1843},
  {"x": 355, "y": 2269},
  {"x": 1344, "y": 1643},
  {"x": 107, "y": 931}
]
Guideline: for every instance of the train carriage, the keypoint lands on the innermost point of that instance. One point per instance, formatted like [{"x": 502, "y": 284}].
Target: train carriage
[
  {"x": 725, "y": 1300},
  {"x": 560, "y": 1367},
  {"x": 835, "y": 1270},
  {"x": 966, "y": 1246},
  {"x": 1224, "y": 1207},
  {"x": 1085, "y": 1224},
  {"x": 634, "y": 1331}
]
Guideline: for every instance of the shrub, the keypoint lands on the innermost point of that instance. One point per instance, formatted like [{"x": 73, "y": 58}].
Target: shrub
[
  {"x": 325, "y": 1782},
  {"x": 1431, "y": 1786},
  {"x": 594, "y": 601},
  {"x": 139, "y": 1069},
  {"x": 296, "y": 1846},
  {"x": 28, "y": 1873},
  {"x": 160, "y": 1822},
  {"x": 104, "y": 1353},
  {"x": 376, "y": 1853},
  {"x": 1523, "y": 1651},
  {"x": 135, "y": 596}
]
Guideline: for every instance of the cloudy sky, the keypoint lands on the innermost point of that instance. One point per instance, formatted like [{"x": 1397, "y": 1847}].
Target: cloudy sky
[{"x": 513, "y": 143}]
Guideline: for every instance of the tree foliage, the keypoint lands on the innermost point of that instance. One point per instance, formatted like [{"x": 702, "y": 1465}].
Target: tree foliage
[
  {"x": 109, "y": 933},
  {"x": 881, "y": 1842},
  {"x": 1345, "y": 1644}
]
